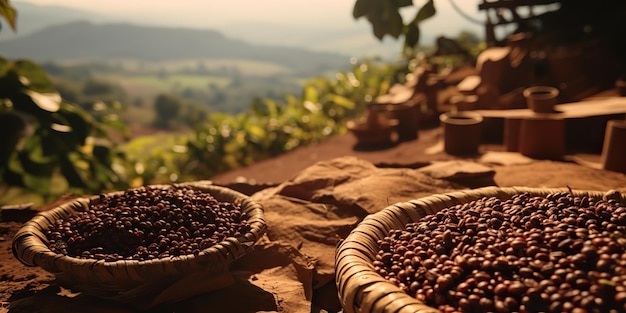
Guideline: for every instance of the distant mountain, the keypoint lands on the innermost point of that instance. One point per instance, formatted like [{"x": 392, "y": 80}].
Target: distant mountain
[
  {"x": 355, "y": 39},
  {"x": 339, "y": 34},
  {"x": 31, "y": 18},
  {"x": 88, "y": 41}
]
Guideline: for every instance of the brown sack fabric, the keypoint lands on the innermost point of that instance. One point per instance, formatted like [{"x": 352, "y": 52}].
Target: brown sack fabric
[{"x": 327, "y": 200}]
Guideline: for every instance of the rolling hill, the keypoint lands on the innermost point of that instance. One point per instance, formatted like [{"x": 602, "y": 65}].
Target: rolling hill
[
  {"x": 32, "y": 17},
  {"x": 88, "y": 41}
]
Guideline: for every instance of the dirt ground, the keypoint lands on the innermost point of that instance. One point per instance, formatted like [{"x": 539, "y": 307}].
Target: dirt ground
[
  {"x": 427, "y": 148},
  {"x": 20, "y": 284}
]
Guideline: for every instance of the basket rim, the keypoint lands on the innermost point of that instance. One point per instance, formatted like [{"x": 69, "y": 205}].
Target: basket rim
[
  {"x": 30, "y": 249},
  {"x": 355, "y": 276}
]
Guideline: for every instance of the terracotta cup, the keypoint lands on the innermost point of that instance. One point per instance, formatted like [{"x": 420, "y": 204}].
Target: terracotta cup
[
  {"x": 542, "y": 137},
  {"x": 512, "y": 127},
  {"x": 614, "y": 147},
  {"x": 407, "y": 115},
  {"x": 541, "y": 99},
  {"x": 462, "y": 132},
  {"x": 465, "y": 102}
]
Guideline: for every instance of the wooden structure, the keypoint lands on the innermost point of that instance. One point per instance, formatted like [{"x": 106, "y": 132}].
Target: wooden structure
[{"x": 576, "y": 46}]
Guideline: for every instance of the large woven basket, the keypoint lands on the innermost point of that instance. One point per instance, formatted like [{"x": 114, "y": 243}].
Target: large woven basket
[
  {"x": 141, "y": 283},
  {"x": 362, "y": 289}
]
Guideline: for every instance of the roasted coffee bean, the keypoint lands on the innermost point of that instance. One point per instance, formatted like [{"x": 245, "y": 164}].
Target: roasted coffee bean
[
  {"x": 558, "y": 253},
  {"x": 147, "y": 223}
]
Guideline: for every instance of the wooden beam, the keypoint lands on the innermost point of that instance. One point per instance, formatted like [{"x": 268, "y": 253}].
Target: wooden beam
[{"x": 510, "y": 4}]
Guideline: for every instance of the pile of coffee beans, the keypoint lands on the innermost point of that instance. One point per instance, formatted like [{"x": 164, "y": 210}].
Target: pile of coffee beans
[
  {"x": 147, "y": 223},
  {"x": 558, "y": 253}
]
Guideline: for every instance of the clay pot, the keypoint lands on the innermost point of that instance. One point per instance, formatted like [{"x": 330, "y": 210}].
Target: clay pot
[
  {"x": 541, "y": 99},
  {"x": 407, "y": 117},
  {"x": 512, "y": 133},
  {"x": 464, "y": 102},
  {"x": 375, "y": 130},
  {"x": 614, "y": 147},
  {"x": 462, "y": 132},
  {"x": 542, "y": 137}
]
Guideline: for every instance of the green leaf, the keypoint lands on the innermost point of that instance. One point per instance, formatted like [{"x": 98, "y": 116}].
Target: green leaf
[
  {"x": 78, "y": 122},
  {"x": 34, "y": 162},
  {"x": 412, "y": 36},
  {"x": 310, "y": 94},
  {"x": 361, "y": 8},
  {"x": 11, "y": 127},
  {"x": 272, "y": 108},
  {"x": 312, "y": 107},
  {"x": 395, "y": 24},
  {"x": 33, "y": 76},
  {"x": 293, "y": 101},
  {"x": 342, "y": 101},
  {"x": 425, "y": 12},
  {"x": 8, "y": 13},
  {"x": 114, "y": 122},
  {"x": 50, "y": 102},
  {"x": 258, "y": 107},
  {"x": 10, "y": 82},
  {"x": 379, "y": 27},
  {"x": 42, "y": 185},
  {"x": 256, "y": 132},
  {"x": 402, "y": 3},
  {"x": 103, "y": 153},
  {"x": 3, "y": 66}
]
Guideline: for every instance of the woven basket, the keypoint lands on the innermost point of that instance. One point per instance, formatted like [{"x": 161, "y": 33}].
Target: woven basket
[
  {"x": 362, "y": 289},
  {"x": 141, "y": 283}
]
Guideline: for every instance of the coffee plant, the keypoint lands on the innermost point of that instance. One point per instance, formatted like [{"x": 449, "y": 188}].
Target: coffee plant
[
  {"x": 50, "y": 146},
  {"x": 271, "y": 127}
]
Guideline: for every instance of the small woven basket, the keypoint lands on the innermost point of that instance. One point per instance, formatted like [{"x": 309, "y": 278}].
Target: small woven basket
[
  {"x": 362, "y": 289},
  {"x": 141, "y": 283}
]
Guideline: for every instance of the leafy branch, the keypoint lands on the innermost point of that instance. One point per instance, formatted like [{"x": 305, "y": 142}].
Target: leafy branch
[
  {"x": 50, "y": 146},
  {"x": 272, "y": 127},
  {"x": 8, "y": 13},
  {"x": 385, "y": 18}
]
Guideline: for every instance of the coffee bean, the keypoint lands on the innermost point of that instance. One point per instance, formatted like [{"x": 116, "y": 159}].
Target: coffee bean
[
  {"x": 524, "y": 254},
  {"x": 147, "y": 223}
]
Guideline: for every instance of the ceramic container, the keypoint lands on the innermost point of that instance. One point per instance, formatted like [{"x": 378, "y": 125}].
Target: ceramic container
[
  {"x": 375, "y": 130},
  {"x": 614, "y": 147},
  {"x": 512, "y": 133},
  {"x": 541, "y": 99},
  {"x": 542, "y": 137},
  {"x": 407, "y": 117},
  {"x": 462, "y": 132}
]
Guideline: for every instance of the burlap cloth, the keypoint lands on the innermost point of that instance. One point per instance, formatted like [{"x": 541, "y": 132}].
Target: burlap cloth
[{"x": 291, "y": 270}]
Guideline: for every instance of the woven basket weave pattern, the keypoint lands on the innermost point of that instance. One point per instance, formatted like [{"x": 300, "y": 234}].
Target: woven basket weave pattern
[
  {"x": 362, "y": 289},
  {"x": 126, "y": 280}
]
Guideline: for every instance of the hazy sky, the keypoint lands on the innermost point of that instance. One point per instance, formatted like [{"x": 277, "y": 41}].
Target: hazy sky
[
  {"x": 208, "y": 13},
  {"x": 324, "y": 25}
]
